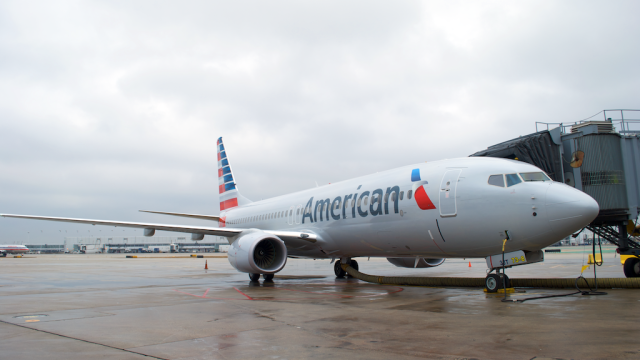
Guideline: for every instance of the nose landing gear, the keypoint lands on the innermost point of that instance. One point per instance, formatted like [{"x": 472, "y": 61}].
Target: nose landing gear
[{"x": 493, "y": 282}]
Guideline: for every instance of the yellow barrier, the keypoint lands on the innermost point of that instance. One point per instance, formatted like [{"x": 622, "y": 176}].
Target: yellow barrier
[{"x": 598, "y": 259}]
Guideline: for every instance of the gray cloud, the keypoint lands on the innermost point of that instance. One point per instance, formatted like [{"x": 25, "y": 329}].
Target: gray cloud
[{"x": 109, "y": 107}]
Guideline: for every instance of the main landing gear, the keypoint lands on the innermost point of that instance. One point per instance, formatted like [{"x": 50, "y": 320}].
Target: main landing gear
[
  {"x": 337, "y": 268},
  {"x": 256, "y": 277},
  {"x": 493, "y": 282}
]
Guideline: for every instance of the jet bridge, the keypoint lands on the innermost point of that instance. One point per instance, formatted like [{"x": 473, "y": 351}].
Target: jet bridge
[{"x": 600, "y": 156}]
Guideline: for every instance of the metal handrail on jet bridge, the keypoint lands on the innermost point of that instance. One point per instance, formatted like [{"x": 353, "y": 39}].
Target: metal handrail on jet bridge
[{"x": 603, "y": 283}]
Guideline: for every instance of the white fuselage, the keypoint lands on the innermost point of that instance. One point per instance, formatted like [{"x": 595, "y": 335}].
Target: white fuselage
[
  {"x": 13, "y": 249},
  {"x": 462, "y": 215}
]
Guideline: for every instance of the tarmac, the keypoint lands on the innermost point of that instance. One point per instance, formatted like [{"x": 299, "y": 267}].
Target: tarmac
[{"x": 161, "y": 307}]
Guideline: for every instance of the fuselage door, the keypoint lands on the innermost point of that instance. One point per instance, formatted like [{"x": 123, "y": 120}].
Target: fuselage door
[
  {"x": 448, "y": 188},
  {"x": 298, "y": 214},
  {"x": 291, "y": 215}
]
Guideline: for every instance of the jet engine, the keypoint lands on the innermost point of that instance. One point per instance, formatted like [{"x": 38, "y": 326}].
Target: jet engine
[
  {"x": 258, "y": 253},
  {"x": 406, "y": 262}
]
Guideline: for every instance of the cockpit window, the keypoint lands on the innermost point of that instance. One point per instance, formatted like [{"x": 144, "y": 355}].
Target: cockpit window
[
  {"x": 535, "y": 176},
  {"x": 512, "y": 179},
  {"x": 496, "y": 180}
]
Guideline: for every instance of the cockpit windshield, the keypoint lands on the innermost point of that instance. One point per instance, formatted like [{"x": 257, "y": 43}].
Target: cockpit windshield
[{"x": 535, "y": 176}]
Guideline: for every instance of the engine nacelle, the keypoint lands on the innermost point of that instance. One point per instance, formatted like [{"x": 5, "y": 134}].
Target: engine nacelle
[
  {"x": 258, "y": 253},
  {"x": 411, "y": 262}
]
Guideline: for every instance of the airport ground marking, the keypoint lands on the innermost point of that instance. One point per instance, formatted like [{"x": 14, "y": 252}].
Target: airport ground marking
[
  {"x": 83, "y": 340},
  {"x": 247, "y": 296}
]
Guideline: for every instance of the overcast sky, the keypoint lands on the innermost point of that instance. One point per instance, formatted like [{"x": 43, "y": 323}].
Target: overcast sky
[{"x": 108, "y": 107}]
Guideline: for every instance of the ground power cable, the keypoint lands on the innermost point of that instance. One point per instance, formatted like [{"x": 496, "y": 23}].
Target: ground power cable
[{"x": 579, "y": 291}]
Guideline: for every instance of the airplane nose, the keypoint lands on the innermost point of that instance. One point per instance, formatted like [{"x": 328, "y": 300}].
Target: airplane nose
[{"x": 569, "y": 209}]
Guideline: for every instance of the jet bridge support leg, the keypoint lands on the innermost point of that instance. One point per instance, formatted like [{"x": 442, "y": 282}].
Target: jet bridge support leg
[{"x": 623, "y": 244}]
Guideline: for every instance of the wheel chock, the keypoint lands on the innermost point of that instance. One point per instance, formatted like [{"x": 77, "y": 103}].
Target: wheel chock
[{"x": 501, "y": 291}]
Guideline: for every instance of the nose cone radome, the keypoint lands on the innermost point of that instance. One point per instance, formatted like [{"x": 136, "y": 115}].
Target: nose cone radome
[{"x": 568, "y": 209}]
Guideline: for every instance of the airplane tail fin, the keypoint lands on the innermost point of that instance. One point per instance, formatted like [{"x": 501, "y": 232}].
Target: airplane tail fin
[{"x": 229, "y": 195}]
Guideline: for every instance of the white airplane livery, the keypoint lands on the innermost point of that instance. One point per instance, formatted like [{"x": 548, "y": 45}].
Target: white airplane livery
[
  {"x": 415, "y": 216},
  {"x": 12, "y": 249}
]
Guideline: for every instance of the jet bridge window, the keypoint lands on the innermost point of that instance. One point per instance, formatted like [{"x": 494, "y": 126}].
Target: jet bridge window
[
  {"x": 496, "y": 180},
  {"x": 535, "y": 176},
  {"x": 512, "y": 179}
]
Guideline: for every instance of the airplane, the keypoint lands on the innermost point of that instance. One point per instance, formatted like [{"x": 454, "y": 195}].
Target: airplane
[
  {"x": 416, "y": 216},
  {"x": 12, "y": 249}
]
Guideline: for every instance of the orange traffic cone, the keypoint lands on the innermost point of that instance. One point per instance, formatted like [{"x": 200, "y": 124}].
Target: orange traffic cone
[
  {"x": 469, "y": 263},
  {"x": 207, "y": 268}
]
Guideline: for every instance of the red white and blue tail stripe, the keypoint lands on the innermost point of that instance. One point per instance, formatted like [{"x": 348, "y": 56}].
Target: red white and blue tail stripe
[{"x": 226, "y": 183}]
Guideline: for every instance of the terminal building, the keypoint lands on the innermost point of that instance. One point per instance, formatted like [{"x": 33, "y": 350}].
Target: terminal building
[{"x": 136, "y": 244}]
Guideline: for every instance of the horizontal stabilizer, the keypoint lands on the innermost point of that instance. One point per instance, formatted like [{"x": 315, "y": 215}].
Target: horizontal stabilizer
[{"x": 193, "y": 216}]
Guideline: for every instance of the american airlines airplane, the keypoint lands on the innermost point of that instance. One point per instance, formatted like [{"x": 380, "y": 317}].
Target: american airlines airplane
[
  {"x": 12, "y": 249},
  {"x": 415, "y": 216}
]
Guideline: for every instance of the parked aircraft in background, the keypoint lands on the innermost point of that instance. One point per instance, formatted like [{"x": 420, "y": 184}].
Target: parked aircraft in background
[
  {"x": 12, "y": 249},
  {"x": 415, "y": 216}
]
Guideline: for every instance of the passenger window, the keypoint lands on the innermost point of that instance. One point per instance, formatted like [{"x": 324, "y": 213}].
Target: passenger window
[
  {"x": 513, "y": 179},
  {"x": 359, "y": 202},
  {"x": 409, "y": 193},
  {"x": 401, "y": 195},
  {"x": 353, "y": 203},
  {"x": 496, "y": 180},
  {"x": 366, "y": 200}
]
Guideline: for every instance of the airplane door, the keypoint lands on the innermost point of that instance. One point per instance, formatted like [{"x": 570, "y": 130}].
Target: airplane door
[
  {"x": 448, "y": 192},
  {"x": 291, "y": 215},
  {"x": 298, "y": 214}
]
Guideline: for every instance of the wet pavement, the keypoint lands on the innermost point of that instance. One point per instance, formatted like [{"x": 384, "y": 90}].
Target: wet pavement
[{"x": 107, "y": 306}]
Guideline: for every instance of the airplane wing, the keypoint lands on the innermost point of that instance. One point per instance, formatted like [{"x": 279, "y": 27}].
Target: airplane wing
[
  {"x": 193, "y": 216},
  {"x": 226, "y": 232}
]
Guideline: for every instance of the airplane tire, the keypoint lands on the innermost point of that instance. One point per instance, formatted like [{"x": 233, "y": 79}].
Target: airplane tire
[
  {"x": 337, "y": 269},
  {"x": 492, "y": 283},
  {"x": 254, "y": 277},
  {"x": 267, "y": 277},
  {"x": 353, "y": 264},
  {"x": 632, "y": 267}
]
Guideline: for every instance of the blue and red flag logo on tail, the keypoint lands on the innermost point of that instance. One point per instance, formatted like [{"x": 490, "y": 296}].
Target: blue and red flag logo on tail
[
  {"x": 419, "y": 193},
  {"x": 226, "y": 184}
]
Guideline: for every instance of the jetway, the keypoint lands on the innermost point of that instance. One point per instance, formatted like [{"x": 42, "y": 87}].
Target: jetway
[{"x": 600, "y": 156}]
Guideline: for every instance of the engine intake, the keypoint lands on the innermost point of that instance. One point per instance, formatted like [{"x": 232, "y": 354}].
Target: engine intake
[
  {"x": 258, "y": 253},
  {"x": 411, "y": 262}
]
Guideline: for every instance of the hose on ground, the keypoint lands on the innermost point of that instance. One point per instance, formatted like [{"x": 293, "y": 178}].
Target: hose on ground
[{"x": 603, "y": 283}]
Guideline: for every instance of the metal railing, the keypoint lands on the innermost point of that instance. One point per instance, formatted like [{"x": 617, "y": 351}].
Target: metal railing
[{"x": 625, "y": 121}]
